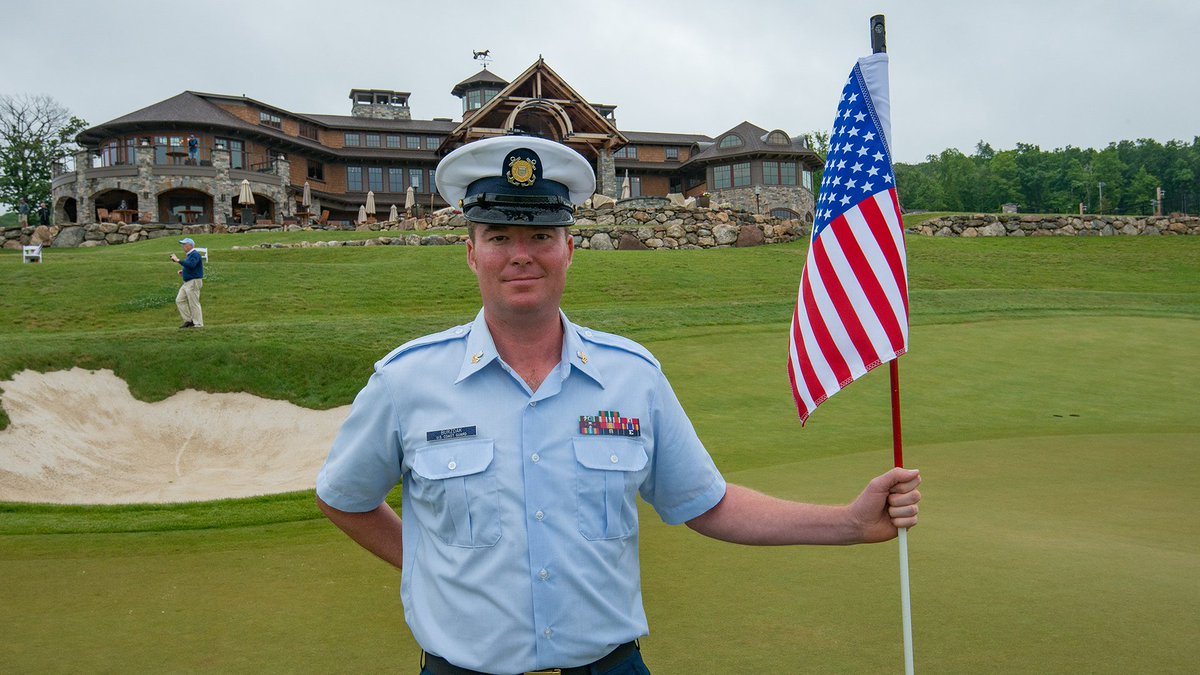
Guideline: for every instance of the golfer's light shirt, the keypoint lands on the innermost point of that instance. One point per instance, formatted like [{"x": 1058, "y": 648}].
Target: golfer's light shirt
[{"x": 520, "y": 522}]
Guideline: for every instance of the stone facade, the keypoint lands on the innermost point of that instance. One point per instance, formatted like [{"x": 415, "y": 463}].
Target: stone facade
[
  {"x": 381, "y": 111},
  {"x": 606, "y": 174},
  {"x": 798, "y": 200},
  {"x": 149, "y": 181},
  {"x": 1013, "y": 225}
]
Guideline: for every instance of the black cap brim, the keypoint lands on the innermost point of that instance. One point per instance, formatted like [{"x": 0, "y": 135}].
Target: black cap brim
[{"x": 529, "y": 216}]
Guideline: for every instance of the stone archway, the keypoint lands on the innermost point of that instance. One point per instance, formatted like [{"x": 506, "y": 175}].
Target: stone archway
[
  {"x": 185, "y": 205},
  {"x": 116, "y": 199},
  {"x": 263, "y": 209},
  {"x": 66, "y": 210}
]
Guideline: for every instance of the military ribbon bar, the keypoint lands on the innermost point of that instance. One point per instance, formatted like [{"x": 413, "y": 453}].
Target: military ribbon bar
[{"x": 609, "y": 423}]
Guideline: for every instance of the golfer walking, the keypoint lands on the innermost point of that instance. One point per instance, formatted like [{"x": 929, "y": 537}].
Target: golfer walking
[{"x": 191, "y": 269}]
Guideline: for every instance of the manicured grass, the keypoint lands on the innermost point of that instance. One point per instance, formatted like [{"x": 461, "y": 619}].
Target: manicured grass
[{"x": 1048, "y": 398}]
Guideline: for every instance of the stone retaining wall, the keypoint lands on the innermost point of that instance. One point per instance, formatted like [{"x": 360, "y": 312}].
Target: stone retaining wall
[
  {"x": 1014, "y": 225},
  {"x": 606, "y": 228}
]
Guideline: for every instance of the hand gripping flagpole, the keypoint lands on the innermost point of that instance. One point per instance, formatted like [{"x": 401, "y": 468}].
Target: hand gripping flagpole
[{"x": 879, "y": 44}]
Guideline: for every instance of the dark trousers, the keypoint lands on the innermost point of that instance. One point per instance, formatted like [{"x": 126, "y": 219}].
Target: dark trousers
[{"x": 630, "y": 666}]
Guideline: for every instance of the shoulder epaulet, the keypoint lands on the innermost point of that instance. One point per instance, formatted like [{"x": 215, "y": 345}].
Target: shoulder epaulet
[
  {"x": 618, "y": 342},
  {"x": 456, "y": 333}
]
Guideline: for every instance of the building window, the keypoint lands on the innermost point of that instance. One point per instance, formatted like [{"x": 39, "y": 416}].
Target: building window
[
  {"x": 778, "y": 138},
  {"x": 489, "y": 94},
  {"x": 316, "y": 170},
  {"x": 473, "y": 100},
  {"x": 808, "y": 179},
  {"x": 741, "y": 174},
  {"x": 779, "y": 173},
  {"x": 372, "y": 140},
  {"x": 627, "y": 152},
  {"x": 269, "y": 119},
  {"x": 375, "y": 178},
  {"x": 672, "y": 154},
  {"x": 414, "y": 179},
  {"x": 635, "y": 186},
  {"x": 731, "y": 141},
  {"x": 412, "y": 142},
  {"x": 785, "y": 214},
  {"x": 395, "y": 179},
  {"x": 432, "y": 180},
  {"x": 351, "y": 140},
  {"x": 309, "y": 130},
  {"x": 722, "y": 178},
  {"x": 393, "y": 141},
  {"x": 432, "y": 142},
  {"x": 354, "y": 179}
]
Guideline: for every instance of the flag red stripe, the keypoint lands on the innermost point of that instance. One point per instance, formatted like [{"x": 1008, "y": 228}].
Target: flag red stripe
[
  {"x": 865, "y": 276},
  {"x": 841, "y": 302},
  {"x": 829, "y": 351},
  {"x": 883, "y": 237}
]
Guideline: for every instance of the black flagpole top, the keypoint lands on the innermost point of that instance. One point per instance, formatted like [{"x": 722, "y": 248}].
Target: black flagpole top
[{"x": 878, "y": 35}]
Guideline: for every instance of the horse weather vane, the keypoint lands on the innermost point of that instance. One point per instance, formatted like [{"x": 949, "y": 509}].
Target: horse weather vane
[{"x": 484, "y": 57}]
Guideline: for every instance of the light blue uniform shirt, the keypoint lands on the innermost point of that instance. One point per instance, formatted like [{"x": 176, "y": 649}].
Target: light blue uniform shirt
[{"x": 520, "y": 521}]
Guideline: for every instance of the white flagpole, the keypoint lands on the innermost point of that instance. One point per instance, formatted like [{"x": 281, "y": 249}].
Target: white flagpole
[{"x": 905, "y": 606}]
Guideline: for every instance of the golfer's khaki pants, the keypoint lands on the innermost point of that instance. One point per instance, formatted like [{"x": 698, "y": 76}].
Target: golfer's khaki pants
[{"x": 188, "y": 301}]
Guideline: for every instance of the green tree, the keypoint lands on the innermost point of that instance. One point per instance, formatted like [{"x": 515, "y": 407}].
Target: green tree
[
  {"x": 818, "y": 142},
  {"x": 35, "y": 132}
]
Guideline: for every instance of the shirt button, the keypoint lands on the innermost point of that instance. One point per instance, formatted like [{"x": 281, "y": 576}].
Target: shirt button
[
  {"x": 548, "y": 633},
  {"x": 452, "y": 466},
  {"x": 533, "y": 404},
  {"x": 539, "y": 515},
  {"x": 543, "y": 574},
  {"x": 613, "y": 459},
  {"x": 535, "y": 457}
]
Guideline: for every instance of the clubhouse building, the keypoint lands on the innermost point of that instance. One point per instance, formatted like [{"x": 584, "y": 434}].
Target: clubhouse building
[{"x": 138, "y": 168}]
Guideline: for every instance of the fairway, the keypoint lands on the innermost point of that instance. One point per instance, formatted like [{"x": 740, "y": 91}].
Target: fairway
[{"x": 1048, "y": 399}]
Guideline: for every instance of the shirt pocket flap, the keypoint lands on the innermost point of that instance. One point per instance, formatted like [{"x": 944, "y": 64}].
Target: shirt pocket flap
[
  {"x": 610, "y": 453},
  {"x": 453, "y": 460}
]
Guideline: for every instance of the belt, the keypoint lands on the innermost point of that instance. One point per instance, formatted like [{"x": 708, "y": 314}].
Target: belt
[{"x": 439, "y": 666}]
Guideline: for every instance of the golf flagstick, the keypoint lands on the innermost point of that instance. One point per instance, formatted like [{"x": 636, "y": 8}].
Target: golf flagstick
[
  {"x": 902, "y": 538},
  {"x": 879, "y": 44}
]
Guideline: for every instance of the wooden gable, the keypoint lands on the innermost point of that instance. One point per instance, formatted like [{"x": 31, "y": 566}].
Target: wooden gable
[{"x": 539, "y": 102}]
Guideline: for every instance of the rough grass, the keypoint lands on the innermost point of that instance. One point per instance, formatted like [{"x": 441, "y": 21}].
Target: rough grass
[{"x": 1049, "y": 400}]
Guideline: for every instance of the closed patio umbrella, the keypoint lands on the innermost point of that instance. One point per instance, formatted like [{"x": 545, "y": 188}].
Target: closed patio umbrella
[
  {"x": 410, "y": 199},
  {"x": 306, "y": 199},
  {"x": 246, "y": 199},
  {"x": 626, "y": 188},
  {"x": 370, "y": 202},
  {"x": 245, "y": 196},
  {"x": 362, "y": 214},
  {"x": 392, "y": 215}
]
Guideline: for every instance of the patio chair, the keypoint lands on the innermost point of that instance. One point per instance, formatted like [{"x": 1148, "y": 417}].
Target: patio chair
[
  {"x": 203, "y": 252},
  {"x": 103, "y": 216},
  {"x": 31, "y": 254},
  {"x": 324, "y": 219}
]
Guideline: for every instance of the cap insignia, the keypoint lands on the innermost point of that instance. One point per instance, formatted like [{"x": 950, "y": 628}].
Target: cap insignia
[{"x": 522, "y": 171}]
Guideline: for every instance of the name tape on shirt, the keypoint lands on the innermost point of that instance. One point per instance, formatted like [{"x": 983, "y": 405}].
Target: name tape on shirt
[
  {"x": 446, "y": 434},
  {"x": 609, "y": 423}
]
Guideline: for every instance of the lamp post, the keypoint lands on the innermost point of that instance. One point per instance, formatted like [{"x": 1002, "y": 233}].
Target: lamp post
[
  {"x": 757, "y": 205},
  {"x": 1101, "y": 186}
]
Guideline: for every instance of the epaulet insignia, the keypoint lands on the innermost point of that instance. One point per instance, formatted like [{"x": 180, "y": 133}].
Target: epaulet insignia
[
  {"x": 618, "y": 342},
  {"x": 456, "y": 333}
]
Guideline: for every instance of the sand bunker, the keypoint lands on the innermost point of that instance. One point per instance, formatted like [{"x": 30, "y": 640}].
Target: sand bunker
[{"x": 79, "y": 437}]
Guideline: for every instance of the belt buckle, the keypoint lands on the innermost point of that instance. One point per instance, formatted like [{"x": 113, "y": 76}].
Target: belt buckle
[{"x": 552, "y": 671}]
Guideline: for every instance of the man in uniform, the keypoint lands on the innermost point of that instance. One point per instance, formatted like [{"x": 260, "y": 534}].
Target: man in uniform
[{"x": 522, "y": 441}]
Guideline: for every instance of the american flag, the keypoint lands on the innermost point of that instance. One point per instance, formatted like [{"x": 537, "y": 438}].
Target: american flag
[{"x": 852, "y": 309}]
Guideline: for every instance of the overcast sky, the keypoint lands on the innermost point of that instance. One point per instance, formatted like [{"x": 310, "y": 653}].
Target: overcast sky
[{"x": 1048, "y": 72}]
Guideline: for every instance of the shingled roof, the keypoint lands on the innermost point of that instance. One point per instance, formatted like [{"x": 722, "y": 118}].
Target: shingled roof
[
  {"x": 484, "y": 76},
  {"x": 185, "y": 108},
  {"x": 754, "y": 142}
]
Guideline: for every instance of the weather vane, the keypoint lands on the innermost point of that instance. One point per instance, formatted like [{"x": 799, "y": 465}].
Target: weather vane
[{"x": 484, "y": 57}]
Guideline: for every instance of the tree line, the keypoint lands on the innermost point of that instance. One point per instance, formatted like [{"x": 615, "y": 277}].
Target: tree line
[
  {"x": 35, "y": 132},
  {"x": 1123, "y": 178}
]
